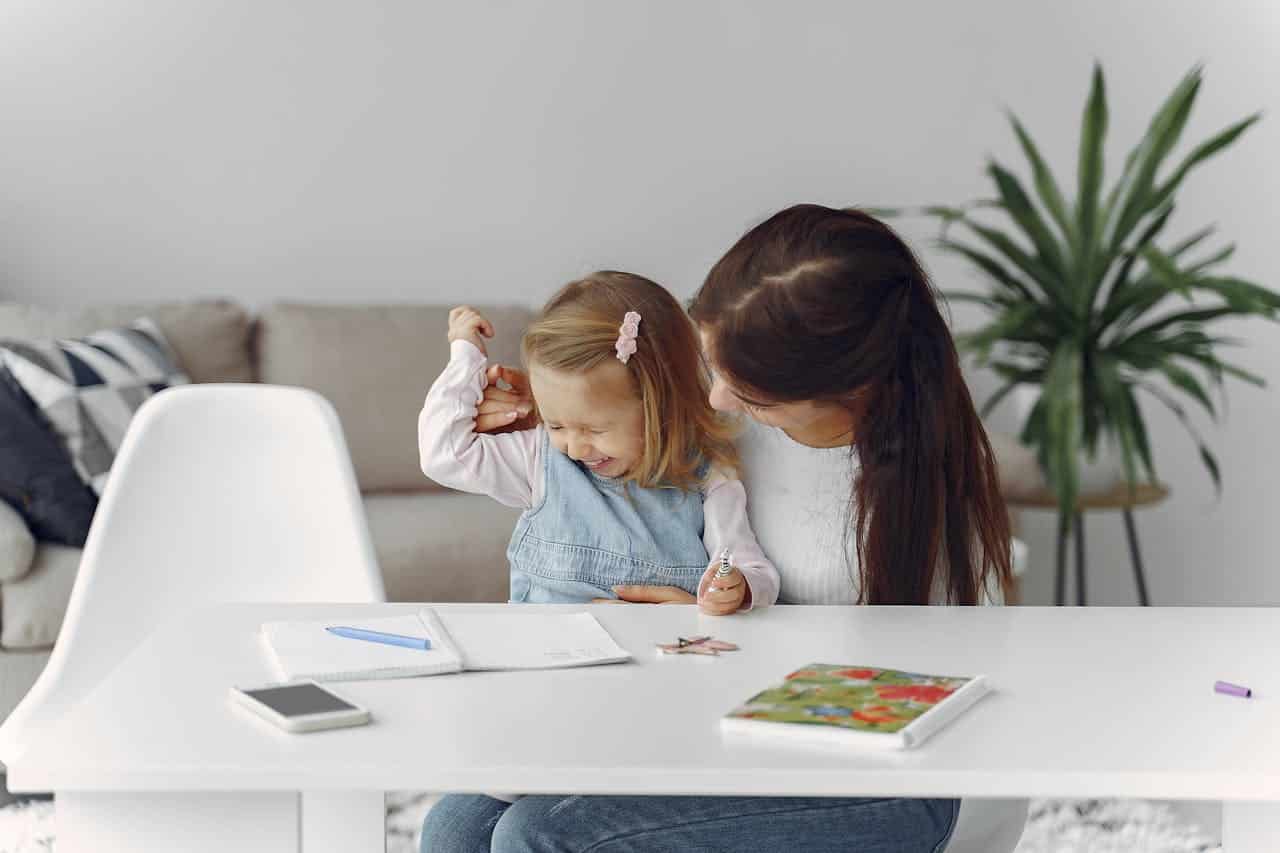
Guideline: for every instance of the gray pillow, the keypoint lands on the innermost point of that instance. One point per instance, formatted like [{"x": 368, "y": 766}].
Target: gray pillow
[
  {"x": 37, "y": 478},
  {"x": 87, "y": 389},
  {"x": 17, "y": 545}
]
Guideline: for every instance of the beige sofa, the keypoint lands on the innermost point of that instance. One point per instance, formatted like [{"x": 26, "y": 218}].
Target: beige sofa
[{"x": 374, "y": 363}]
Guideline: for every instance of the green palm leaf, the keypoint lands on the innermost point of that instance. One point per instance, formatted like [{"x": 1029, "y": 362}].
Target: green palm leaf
[
  {"x": 1186, "y": 381},
  {"x": 983, "y": 299},
  {"x": 991, "y": 266},
  {"x": 1121, "y": 279},
  {"x": 1212, "y": 261},
  {"x": 1179, "y": 249},
  {"x": 1206, "y": 456},
  {"x": 1162, "y": 135},
  {"x": 1200, "y": 315},
  {"x": 1046, "y": 185},
  {"x": 1062, "y": 424},
  {"x": 1093, "y": 132},
  {"x": 1111, "y": 395},
  {"x": 1019, "y": 207},
  {"x": 1033, "y": 268},
  {"x": 1201, "y": 153}
]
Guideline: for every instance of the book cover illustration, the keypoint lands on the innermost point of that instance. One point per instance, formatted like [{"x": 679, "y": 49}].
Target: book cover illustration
[{"x": 860, "y": 698}]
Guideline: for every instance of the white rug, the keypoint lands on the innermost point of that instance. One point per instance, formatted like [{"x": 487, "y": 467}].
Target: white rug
[
  {"x": 1054, "y": 826},
  {"x": 26, "y": 827},
  {"x": 1110, "y": 826}
]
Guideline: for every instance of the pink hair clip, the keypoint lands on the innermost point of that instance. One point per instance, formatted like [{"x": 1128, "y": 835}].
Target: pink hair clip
[{"x": 626, "y": 345}]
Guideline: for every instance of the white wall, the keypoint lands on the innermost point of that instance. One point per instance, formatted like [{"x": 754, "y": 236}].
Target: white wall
[{"x": 346, "y": 151}]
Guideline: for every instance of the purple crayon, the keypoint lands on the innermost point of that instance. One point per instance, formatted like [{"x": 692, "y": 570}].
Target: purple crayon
[{"x": 1232, "y": 689}]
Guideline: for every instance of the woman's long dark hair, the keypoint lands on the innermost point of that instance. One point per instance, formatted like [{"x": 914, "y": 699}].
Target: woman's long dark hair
[{"x": 831, "y": 306}]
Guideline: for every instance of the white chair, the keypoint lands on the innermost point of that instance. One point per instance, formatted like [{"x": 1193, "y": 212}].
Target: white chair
[
  {"x": 988, "y": 826},
  {"x": 219, "y": 493}
]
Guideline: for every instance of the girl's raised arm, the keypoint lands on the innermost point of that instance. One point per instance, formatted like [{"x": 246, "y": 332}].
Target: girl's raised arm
[{"x": 506, "y": 467}]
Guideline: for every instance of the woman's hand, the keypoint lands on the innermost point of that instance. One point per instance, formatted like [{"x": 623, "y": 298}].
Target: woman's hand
[
  {"x": 504, "y": 410},
  {"x": 724, "y": 596},
  {"x": 468, "y": 324},
  {"x": 648, "y": 595}
]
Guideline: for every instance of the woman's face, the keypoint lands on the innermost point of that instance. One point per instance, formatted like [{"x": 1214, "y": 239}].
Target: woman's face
[{"x": 817, "y": 424}]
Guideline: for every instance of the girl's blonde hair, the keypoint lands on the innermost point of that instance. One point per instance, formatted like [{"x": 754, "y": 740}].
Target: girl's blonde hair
[{"x": 683, "y": 436}]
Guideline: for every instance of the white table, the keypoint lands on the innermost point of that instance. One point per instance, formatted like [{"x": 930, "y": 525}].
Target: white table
[{"x": 1113, "y": 702}]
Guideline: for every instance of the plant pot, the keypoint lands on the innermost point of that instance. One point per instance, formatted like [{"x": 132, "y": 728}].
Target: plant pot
[
  {"x": 1097, "y": 475},
  {"x": 1104, "y": 472}
]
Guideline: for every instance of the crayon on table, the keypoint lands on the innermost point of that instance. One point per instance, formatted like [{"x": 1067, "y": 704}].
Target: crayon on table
[{"x": 1230, "y": 689}]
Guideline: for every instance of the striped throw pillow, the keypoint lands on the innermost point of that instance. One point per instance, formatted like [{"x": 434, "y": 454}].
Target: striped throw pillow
[{"x": 87, "y": 389}]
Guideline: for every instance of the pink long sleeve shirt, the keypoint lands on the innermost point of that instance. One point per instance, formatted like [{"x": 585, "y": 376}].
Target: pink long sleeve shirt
[{"x": 508, "y": 468}]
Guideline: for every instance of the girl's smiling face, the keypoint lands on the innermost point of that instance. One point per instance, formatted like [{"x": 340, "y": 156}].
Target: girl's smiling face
[{"x": 595, "y": 417}]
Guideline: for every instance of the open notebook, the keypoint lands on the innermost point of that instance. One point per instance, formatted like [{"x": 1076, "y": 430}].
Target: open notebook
[{"x": 460, "y": 640}]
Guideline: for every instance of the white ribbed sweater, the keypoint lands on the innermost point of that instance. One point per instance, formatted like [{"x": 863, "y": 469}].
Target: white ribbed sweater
[{"x": 798, "y": 501}]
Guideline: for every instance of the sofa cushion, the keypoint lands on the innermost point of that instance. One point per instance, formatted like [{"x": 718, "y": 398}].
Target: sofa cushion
[
  {"x": 17, "y": 545},
  {"x": 375, "y": 364},
  {"x": 31, "y": 609},
  {"x": 441, "y": 546},
  {"x": 211, "y": 338},
  {"x": 36, "y": 475},
  {"x": 88, "y": 389}
]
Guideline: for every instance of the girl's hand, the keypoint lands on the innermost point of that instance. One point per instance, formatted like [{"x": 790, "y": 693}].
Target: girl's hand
[
  {"x": 724, "y": 596},
  {"x": 502, "y": 410},
  {"x": 468, "y": 324},
  {"x": 648, "y": 595}
]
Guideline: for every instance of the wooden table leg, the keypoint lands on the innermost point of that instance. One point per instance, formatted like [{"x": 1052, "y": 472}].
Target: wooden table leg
[
  {"x": 1060, "y": 579},
  {"x": 219, "y": 821},
  {"x": 1081, "y": 598},
  {"x": 1135, "y": 557},
  {"x": 1250, "y": 827}
]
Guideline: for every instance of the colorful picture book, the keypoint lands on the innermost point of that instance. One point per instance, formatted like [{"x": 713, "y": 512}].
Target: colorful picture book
[{"x": 856, "y": 705}]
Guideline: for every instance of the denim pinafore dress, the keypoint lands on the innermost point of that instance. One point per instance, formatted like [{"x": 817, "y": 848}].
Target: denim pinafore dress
[{"x": 591, "y": 533}]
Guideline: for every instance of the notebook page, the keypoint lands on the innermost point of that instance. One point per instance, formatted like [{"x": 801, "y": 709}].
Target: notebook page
[
  {"x": 307, "y": 650},
  {"x": 525, "y": 640}
]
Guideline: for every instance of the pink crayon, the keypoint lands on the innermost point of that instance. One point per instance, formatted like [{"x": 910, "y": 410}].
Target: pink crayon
[{"x": 1232, "y": 689}]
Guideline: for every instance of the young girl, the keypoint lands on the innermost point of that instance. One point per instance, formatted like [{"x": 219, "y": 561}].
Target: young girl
[{"x": 628, "y": 478}]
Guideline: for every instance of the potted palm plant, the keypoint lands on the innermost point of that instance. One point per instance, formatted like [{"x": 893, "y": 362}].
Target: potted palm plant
[{"x": 1092, "y": 305}]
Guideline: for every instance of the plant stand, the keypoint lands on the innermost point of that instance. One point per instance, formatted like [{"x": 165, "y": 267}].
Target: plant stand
[{"x": 1121, "y": 497}]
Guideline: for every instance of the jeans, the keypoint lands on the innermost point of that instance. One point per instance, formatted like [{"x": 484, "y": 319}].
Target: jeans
[{"x": 474, "y": 823}]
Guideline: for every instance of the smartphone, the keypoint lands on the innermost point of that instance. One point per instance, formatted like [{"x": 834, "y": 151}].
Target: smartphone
[{"x": 301, "y": 706}]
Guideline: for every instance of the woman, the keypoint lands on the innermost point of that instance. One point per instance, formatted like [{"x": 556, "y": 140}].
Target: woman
[{"x": 871, "y": 481}]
